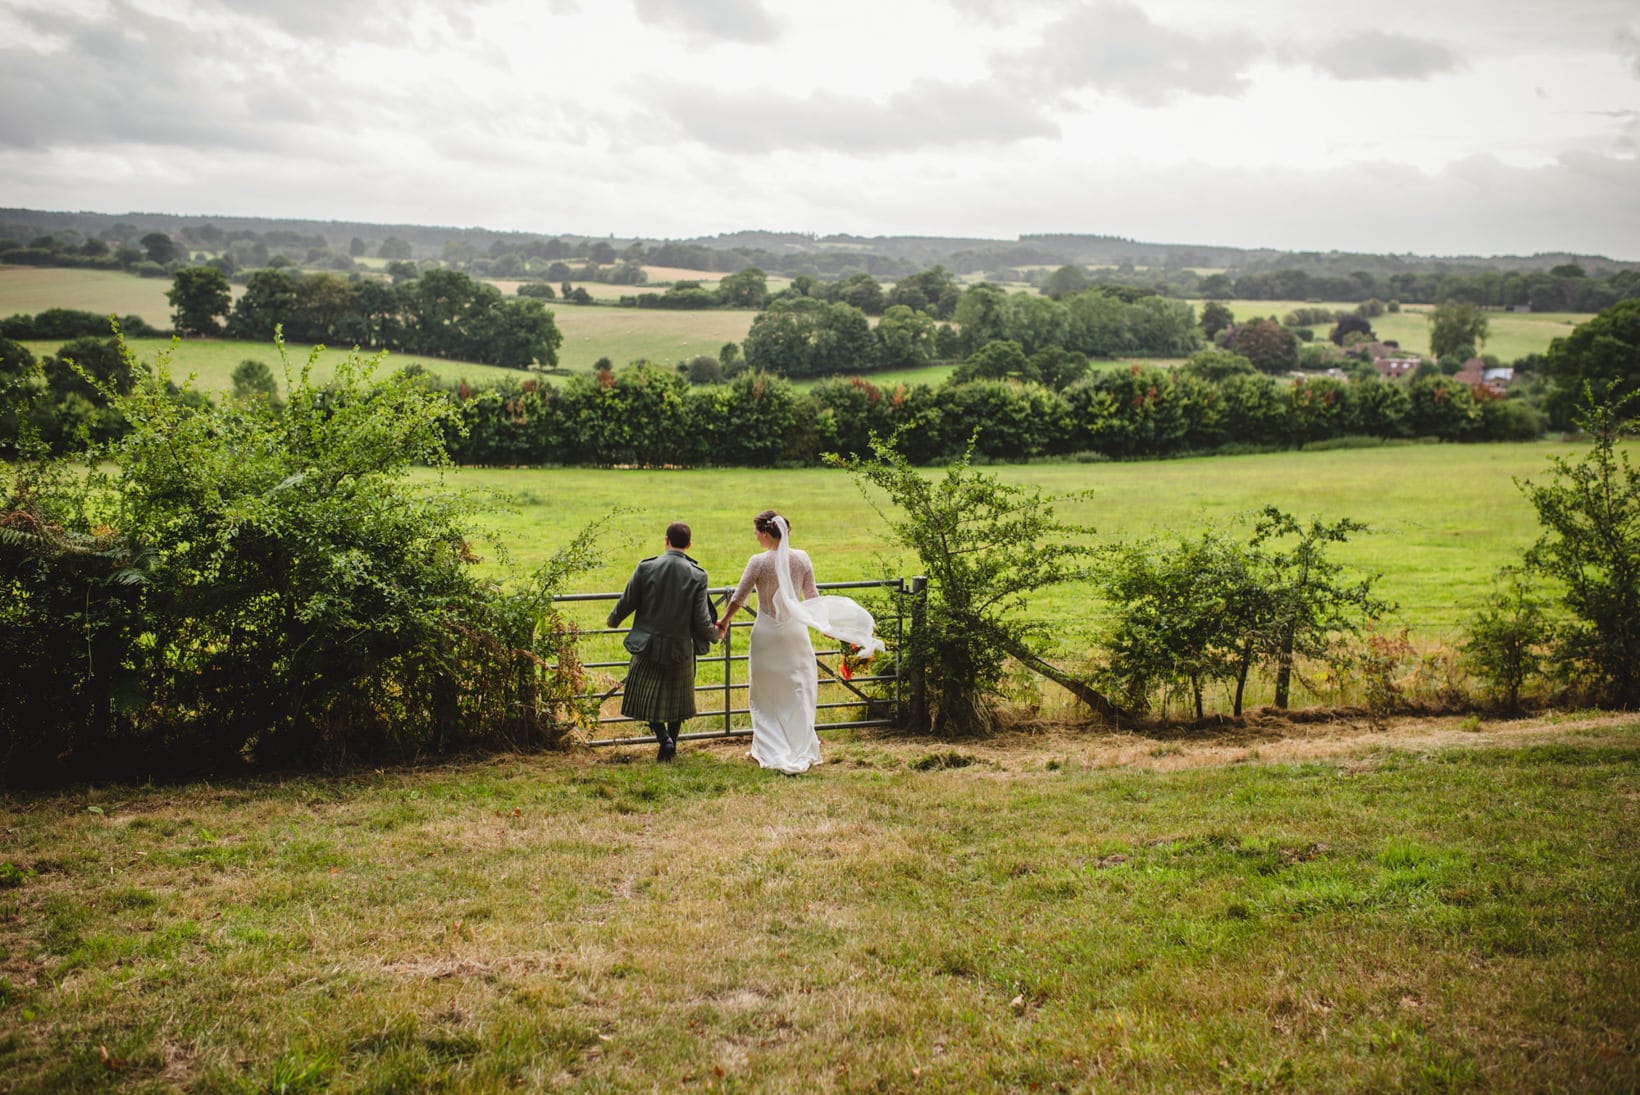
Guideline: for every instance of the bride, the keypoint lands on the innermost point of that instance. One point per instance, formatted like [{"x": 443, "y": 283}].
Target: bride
[{"x": 784, "y": 680}]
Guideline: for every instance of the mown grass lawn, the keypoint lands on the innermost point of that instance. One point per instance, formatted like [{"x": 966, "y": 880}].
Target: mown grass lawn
[
  {"x": 1442, "y": 518},
  {"x": 1445, "y": 906}
]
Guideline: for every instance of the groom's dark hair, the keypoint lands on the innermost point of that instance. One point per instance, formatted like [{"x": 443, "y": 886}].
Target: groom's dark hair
[{"x": 677, "y": 534}]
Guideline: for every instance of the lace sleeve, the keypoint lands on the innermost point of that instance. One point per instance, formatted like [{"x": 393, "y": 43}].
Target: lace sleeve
[
  {"x": 805, "y": 576},
  {"x": 748, "y": 582}
]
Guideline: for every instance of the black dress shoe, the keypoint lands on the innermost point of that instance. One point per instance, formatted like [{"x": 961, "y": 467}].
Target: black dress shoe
[{"x": 668, "y": 751}]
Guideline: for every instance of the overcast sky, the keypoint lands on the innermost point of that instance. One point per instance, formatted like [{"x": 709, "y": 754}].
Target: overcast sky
[{"x": 1434, "y": 127}]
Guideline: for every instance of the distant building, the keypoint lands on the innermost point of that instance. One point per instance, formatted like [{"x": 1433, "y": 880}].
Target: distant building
[
  {"x": 1393, "y": 366},
  {"x": 1472, "y": 373}
]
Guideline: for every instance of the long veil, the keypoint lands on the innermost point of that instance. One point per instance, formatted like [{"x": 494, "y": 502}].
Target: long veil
[{"x": 841, "y": 618}]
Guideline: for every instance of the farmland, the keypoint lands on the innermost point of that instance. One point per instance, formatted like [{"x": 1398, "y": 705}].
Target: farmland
[
  {"x": 624, "y": 335},
  {"x": 1443, "y": 518},
  {"x": 1512, "y": 334}
]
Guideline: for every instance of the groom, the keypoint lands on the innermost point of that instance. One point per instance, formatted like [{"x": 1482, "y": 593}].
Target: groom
[{"x": 674, "y": 623}]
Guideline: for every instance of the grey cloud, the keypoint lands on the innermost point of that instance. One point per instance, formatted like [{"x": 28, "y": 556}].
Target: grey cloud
[
  {"x": 1628, "y": 48},
  {"x": 1115, "y": 48},
  {"x": 725, "y": 20},
  {"x": 315, "y": 18},
  {"x": 382, "y": 21},
  {"x": 1385, "y": 55},
  {"x": 928, "y": 114},
  {"x": 135, "y": 78},
  {"x": 989, "y": 11}
]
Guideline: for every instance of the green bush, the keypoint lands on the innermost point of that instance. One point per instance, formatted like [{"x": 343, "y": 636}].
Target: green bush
[
  {"x": 247, "y": 584},
  {"x": 1590, "y": 545},
  {"x": 1509, "y": 640}
]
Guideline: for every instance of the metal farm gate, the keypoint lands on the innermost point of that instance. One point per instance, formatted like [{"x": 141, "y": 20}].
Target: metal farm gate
[{"x": 879, "y": 694}]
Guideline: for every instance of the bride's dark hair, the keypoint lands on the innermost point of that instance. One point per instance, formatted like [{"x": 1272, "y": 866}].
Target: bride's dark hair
[{"x": 764, "y": 522}]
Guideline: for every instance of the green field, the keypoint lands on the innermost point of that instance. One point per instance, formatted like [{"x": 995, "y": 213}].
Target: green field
[
  {"x": 212, "y": 361},
  {"x": 627, "y": 334},
  {"x": 31, "y": 289},
  {"x": 1444, "y": 518},
  {"x": 1418, "y": 907},
  {"x": 1512, "y": 335}
]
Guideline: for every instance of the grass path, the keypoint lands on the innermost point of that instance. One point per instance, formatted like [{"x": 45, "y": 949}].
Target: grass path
[{"x": 1431, "y": 905}]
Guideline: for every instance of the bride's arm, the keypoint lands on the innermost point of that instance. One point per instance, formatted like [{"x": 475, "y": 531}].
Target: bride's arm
[
  {"x": 806, "y": 581},
  {"x": 742, "y": 593}
]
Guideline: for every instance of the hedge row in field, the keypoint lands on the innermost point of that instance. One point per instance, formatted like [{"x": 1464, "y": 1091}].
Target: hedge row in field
[{"x": 649, "y": 416}]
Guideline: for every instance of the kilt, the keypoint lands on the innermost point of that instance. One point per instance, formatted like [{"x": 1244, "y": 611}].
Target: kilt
[{"x": 658, "y": 692}]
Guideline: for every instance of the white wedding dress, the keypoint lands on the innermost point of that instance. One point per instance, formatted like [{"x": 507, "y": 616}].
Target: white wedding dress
[{"x": 785, "y": 681}]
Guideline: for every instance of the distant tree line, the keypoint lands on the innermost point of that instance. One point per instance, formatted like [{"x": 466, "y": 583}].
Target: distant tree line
[
  {"x": 156, "y": 254},
  {"x": 1017, "y": 406},
  {"x": 442, "y": 313},
  {"x": 71, "y": 323},
  {"x": 1564, "y": 288}
]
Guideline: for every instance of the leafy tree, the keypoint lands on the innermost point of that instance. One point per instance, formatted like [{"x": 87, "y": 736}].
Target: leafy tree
[
  {"x": 21, "y": 386},
  {"x": 1035, "y": 322},
  {"x": 1064, "y": 282},
  {"x": 1099, "y": 325},
  {"x": 986, "y": 546},
  {"x": 702, "y": 369},
  {"x": 1311, "y": 599},
  {"x": 516, "y": 333},
  {"x": 1184, "y": 616},
  {"x": 275, "y": 589},
  {"x": 1057, "y": 368},
  {"x": 803, "y": 337},
  {"x": 394, "y": 248},
  {"x": 933, "y": 291},
  {"x": 1601, "y": 353},
  {"x": 1216, "y": 365},
  {"x": 1216, "y": 316},
  {"x": 1000, "y": 360},
  {"x": 1590, "y": 546},
  {"x": 91, "y": 367},
  {"x": 1271, "y": 347},
  {"x": 905, "y": 336},
  {"x": 324, "y": 310},
  {"x": 253, "y": 379},
  {"x": 159, "y": 248},
  {"x": 981, "y": 316},
  {"x": 747, "y": 289},
  {"x": 1217, "y": 287},
  {"x": 268, "y": 301},
  {"x": 1457, "y": 328},
  {"x": 1350, "y": 323},
  {"x": 859, "y": 290}
]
